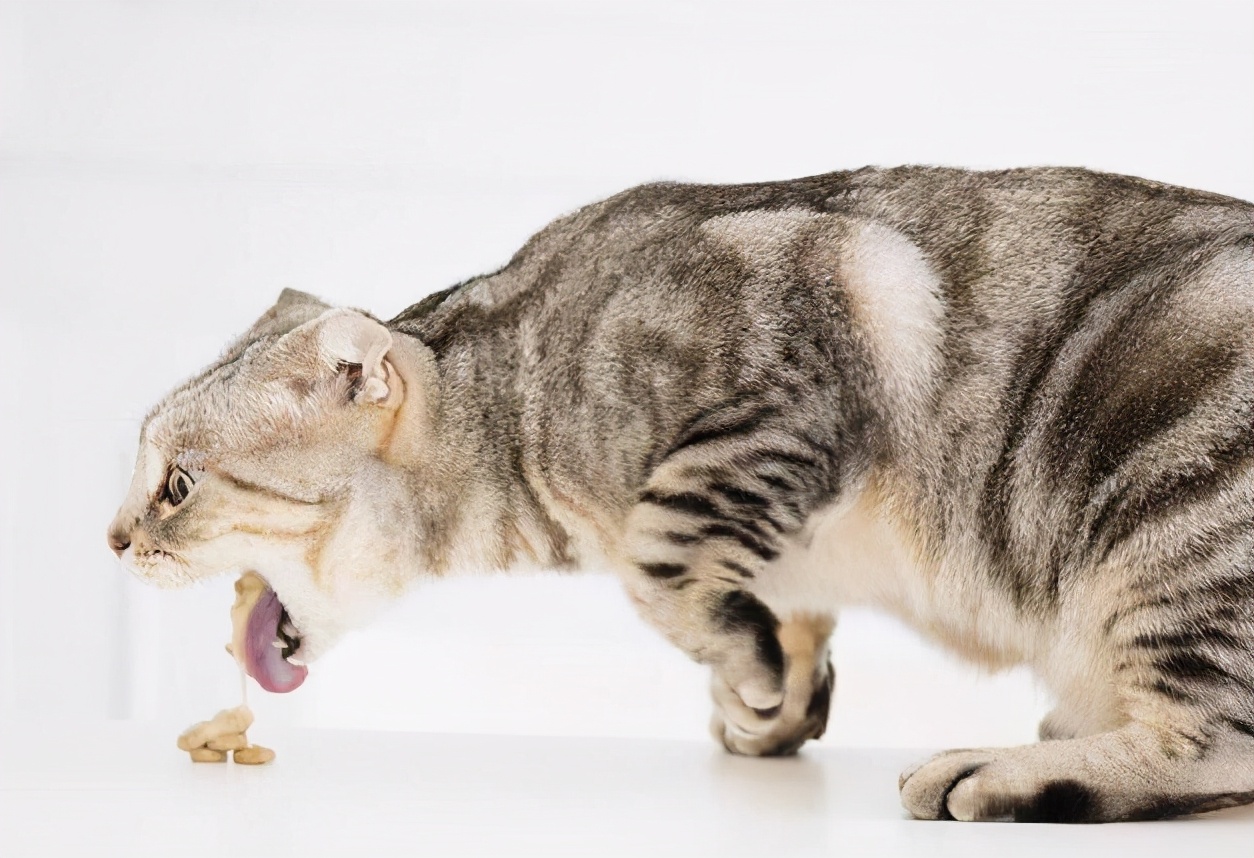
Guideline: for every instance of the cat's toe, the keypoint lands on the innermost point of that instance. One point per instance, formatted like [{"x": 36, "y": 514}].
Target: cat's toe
[
  {"x": 777, "y": 731},
  {"x": 926, "y": 789},
  {"x": 774, "y": 739}
]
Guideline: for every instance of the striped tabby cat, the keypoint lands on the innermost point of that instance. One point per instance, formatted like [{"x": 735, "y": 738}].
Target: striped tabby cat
[{"x": 1015, "y": 409}]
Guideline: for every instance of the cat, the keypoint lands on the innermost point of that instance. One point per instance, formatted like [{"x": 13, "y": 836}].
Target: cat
[{"x": 1013, "y": 408}]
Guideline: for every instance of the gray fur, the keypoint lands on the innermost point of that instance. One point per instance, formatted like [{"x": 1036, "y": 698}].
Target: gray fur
[{"x": 696, "y": 384}]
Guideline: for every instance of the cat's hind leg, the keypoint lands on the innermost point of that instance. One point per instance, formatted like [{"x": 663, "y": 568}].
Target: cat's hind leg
[
  {"x": 1180, "y": 669},
  {"x": 1074, "y": 719}
]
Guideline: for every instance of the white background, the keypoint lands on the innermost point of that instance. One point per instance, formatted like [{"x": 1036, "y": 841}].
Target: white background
[{"x": 165, "y": 169}]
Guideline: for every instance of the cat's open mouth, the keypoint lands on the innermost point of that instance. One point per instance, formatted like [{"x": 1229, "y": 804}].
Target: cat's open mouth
[{"x": 272, "y": 646}]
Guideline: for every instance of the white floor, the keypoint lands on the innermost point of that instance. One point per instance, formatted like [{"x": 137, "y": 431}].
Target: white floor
[{"x": 124, "y": 789}]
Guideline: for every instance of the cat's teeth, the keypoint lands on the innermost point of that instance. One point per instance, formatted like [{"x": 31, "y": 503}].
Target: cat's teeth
[
  {"x": 277, "y": 644},
  {"x": 296, "y": 661}
]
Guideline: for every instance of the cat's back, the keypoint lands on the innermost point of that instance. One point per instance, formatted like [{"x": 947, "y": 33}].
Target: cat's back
[
  {"x": 921, "y": 200},
  {"x": 969, "y": 225}
]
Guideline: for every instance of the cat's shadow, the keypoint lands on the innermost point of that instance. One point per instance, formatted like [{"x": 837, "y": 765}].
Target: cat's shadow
[{"x": 788, "y": 785}]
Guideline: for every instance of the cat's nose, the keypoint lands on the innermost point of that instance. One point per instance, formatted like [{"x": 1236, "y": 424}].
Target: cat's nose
[{"x": 119, "y": 542}]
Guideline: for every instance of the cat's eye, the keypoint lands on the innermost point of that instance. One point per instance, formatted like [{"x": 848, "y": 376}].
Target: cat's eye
[{"x": 177, "y": 486}]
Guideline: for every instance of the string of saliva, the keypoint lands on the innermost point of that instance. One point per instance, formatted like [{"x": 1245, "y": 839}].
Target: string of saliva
[{"x": 243, "y": 686}]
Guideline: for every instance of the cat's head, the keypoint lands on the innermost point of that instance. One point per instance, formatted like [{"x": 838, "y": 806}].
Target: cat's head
[{"x": 273, "y": 460}]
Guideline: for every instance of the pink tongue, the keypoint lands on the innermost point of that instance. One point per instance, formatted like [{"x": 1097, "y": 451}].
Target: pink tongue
[{"x": 264, "y": 661}]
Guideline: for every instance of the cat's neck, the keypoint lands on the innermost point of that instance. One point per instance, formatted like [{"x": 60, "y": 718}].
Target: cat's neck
[{"x": 458, "y": 445}]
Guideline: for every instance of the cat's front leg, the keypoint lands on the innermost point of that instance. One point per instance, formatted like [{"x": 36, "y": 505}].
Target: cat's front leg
[{"x": 706, "y": 527}]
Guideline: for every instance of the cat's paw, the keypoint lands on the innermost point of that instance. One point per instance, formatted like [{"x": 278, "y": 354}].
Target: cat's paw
[
  {"x": 780, "y": 730},
  {"x": 972, "y": 785},
  {"x": 1134, "y": 772}
]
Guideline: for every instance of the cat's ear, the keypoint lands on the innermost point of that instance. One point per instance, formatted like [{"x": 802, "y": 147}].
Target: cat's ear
[
  {"x": 294, "y": 300},
  {"x": 293, "y": 309},
  {"x": 354, "y": 343}
]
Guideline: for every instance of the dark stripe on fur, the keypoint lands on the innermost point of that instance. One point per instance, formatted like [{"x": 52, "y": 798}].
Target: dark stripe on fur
[
  {"x": 786, "y": 457},
  {"x": 1194, "y": 668},
  {"x": 685, "y": 502},
  {"x": 663, "y": 570},
  {"x": 682, "y": 538},
  {"x": 739, "y": 612},
  {"x": 1110, "y": 413},
  {"x": 730, "y": 531},
  {"x": 720, "y": 425},
  {"x": 737, "y": 568},
  {"x": 1172, "y": 692},
  {"x": 1127, "y": 510},
  {"x": 776, "y": 482},
  {"x": 738, "y": 495},
  {"x": 1060, "y": 801},
  {"x": 1241, "y": 726},
  {"x": 1195, "y": 636}
]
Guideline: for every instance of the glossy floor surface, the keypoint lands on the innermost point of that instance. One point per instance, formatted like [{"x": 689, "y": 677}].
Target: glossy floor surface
[{"x": 123, "y": 789}]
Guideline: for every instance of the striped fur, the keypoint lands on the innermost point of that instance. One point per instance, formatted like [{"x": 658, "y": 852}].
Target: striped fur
[{"x": 1016, "y": 409}]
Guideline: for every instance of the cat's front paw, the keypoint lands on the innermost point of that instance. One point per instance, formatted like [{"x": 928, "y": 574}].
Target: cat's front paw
[{"x": 781, "y": 730}]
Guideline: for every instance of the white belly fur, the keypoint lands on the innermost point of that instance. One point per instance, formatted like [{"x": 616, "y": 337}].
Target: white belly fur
[{"x": 851, "y": 555}]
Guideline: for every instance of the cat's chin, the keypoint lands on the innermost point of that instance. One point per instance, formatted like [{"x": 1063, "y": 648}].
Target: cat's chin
[{"x": 158, "y": 568}]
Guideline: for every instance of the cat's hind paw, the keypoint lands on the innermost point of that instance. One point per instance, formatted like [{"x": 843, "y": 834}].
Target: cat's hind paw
[
  {"x": 974, "y": 785},
  {"x": 1127, "y": 774}
]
